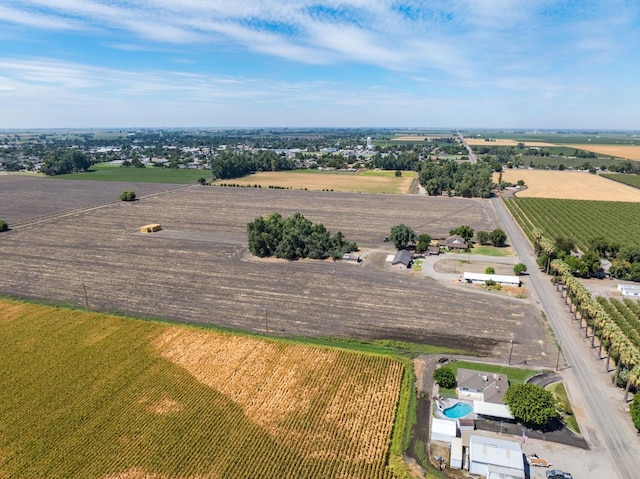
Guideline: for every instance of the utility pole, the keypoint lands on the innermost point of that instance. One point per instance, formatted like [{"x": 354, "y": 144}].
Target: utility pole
[
  {"x": 266, "y": 320},
  {"x": 510, "y": 351},
  {"x": 86, "y": 298},
  {"x": 559, "y": 349}
]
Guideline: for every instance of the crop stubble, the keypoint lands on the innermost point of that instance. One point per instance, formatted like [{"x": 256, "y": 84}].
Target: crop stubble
[{"x": 205, "y": 275}]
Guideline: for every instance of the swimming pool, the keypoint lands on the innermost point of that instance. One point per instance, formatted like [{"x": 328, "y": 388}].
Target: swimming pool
[{"x": 458, "y": 410}]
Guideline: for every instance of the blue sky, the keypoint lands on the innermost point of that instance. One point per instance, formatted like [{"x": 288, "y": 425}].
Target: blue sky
[{"x": 305, "y": 63}]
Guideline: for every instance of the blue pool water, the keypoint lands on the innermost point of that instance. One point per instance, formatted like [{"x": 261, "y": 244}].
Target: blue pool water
[{"x": 458, "y": 410}]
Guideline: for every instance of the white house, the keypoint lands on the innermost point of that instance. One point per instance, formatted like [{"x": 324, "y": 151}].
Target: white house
[
  {"x": 486, "y": 390},
  {"x": 495, "y": 458}
]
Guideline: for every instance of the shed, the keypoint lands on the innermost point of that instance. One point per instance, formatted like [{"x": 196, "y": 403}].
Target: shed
[
  {"x": 444, "y": 430},
  {"x": 353, "y": 257},
  {"x": 495, "y": 458},
  {"x": 457, "y": 453},
  {"x": 151, "y": 228},
  {"x": 629, "y": 290},
  {"x": 433, "y": 250},
  {"x": 402, "y": 259},
  {"x": 480, "y": 278},
  {"x": 492, "y": 409}
]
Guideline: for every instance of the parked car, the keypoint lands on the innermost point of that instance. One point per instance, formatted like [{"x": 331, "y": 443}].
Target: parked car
[{"x": 558, "y": 474}]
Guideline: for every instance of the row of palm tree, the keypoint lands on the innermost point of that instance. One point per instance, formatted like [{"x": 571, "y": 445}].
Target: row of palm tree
[{"x": 618, "y": 346}]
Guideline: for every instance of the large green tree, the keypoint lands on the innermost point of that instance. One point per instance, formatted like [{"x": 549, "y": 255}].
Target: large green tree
[
  {"x": 531, "y": 404},
  {"x": 445, "y": 378},
  {"x": 424, "y": 240},
  {"x": 402, "y": 235},
  {"x": 465, "y": 231},
  {"x": 498, "y": 238}
]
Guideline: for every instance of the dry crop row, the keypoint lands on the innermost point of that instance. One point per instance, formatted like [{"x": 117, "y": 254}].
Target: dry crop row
[{"x": 88, "y": 395}]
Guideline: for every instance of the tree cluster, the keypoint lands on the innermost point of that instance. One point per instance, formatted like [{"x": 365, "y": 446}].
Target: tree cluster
[
  {"x": 230, "y": 164},
  {"x": 531, "y": 404},
  {"x": 295, "y": 237},
  {"x": 63, "y": 162},
  {"x": 496, "y": 237},
  {"x": 467, "y": 180},
  {"x": 465, "y": 231}
]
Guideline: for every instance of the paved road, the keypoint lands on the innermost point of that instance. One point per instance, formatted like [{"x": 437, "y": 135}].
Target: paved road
[
  {"x": 472, "y": 155},
  {"x": 598, "y": 406}
]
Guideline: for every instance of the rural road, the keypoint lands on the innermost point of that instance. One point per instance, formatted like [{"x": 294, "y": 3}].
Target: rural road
[
  {"x": 599, "y": 407},
  {"x": 472, "y": 156}
]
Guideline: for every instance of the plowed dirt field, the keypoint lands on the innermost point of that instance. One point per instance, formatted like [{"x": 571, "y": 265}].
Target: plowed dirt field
[{"x": 197, "y": 269}]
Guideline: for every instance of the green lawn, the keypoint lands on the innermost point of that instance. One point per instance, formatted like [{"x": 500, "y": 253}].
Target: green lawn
[
  {"x": 491, "y": 251},
  {"x": 138, "y": 175},
  {"x": 560, "y": 393},
  {"x": 515, "y": 375}
]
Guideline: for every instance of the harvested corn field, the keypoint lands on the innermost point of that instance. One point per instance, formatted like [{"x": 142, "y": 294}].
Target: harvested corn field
[{"x": 93, "y": 395}]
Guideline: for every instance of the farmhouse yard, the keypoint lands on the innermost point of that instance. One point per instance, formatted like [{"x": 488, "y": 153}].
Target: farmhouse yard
[
  {"x": 197, "y": 269},
  {"x": 569, "y": 185}
]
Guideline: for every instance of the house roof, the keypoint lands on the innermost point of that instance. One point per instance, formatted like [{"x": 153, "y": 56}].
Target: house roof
[
  {"x": 497, "y": 452},
  {"x": 403, "y": 256},
  {"x": 498, "y": 278},
  {"x": 492, "y": 385},
  {"x": 456, "y": 241}
]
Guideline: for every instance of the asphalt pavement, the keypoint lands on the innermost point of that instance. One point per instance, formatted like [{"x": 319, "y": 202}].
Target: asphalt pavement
[{"x": 599, "y": 407}]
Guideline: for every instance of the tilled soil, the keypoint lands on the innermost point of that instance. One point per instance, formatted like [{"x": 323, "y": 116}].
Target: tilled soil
[{"x": 199, "y": 270}]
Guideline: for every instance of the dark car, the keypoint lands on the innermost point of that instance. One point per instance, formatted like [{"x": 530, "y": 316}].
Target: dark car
[{"x": 558, "y": 474}]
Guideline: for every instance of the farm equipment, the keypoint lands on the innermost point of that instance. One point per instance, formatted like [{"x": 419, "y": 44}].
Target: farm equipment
[{"x": 535, "y": 461}]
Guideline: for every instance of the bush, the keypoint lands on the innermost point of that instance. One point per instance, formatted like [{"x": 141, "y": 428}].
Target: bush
[
  {"x": 489, "y": 270},
  {"x": 445, "y": 378},
  {"x": 3, "y": 225},
  {"x": 127, "y": 196},
  {"x": 519, "y": 269},
  {"x": 635, "y": 411}
]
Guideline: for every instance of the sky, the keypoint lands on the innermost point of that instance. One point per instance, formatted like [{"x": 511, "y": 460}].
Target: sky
[{"x": 517, "y": 64}]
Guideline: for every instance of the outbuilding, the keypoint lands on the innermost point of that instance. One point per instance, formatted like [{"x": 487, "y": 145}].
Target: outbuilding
[
  {"x": 495, "y": 458},
  {"x": 402, "y": 259},
  {"x": 481, "y": 278},
  {"x": 443, "y": 430},
  {"x": 629, "y": 290}
]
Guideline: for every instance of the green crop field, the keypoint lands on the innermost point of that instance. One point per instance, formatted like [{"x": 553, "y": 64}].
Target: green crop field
[
  {"x": 581, "y": 220},
  {"x": 100, "y": 172},
  {"x": 88, "y": 395},
  {"x": 626, "y": 315},
  {"x": 631, "y": 180},
  {"x": 560, "y": 138}
]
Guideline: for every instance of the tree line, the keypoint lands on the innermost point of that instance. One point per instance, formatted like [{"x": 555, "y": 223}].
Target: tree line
[
  {"x": 466, "y": 179},
  {"x": 295, "y": 237},
  {"x": 62, "y": 162},
  {"x": 235, "y": 164}
]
